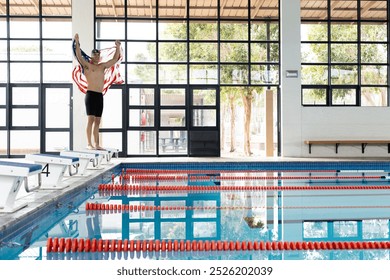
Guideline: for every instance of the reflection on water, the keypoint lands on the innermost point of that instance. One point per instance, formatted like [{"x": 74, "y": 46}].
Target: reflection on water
[
  {"x": 218, "y": 213},
  {"x": 228, "y": 255}
]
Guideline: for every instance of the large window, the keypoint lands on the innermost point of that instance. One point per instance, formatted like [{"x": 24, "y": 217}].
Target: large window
[
  {"x": 173, "y": 51},
  {"x": 345, "y": 53},
  {"x": 35, "y": 80}
]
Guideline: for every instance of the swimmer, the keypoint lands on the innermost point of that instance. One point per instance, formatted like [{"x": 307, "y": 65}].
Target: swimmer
[{"x": 94, "y": 73}]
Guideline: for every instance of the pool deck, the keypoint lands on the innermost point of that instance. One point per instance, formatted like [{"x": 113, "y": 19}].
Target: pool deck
[{"x": 41, "y": 198}]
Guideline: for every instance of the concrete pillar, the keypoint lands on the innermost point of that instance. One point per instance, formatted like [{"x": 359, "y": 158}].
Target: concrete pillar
[
  {"x": 83, "y": 24},
  {"x": 290, "y": 62},
  {"x": 269, "y": 123}
]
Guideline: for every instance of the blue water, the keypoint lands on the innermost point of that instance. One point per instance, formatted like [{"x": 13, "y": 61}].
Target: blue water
[{"x": 355, "y": 213}]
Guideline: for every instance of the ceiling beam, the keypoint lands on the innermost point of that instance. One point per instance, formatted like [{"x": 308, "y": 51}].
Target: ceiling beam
[
  {"x": 366, "y": 8},
  {"x": 223, "y": 2},
  {"x": 114, "y": 8},
  {"x": 32, "y": 5},
  {"x": 185, "y": 9},
  {"x": 151, "y": 8},
  {"x": 35, "y": 5},
  {"x": 2, "y": 9},
  {"x": 258, "y": 5}
]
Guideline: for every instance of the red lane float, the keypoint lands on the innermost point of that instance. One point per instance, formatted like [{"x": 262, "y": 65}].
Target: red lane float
[
  {"x": 211, "y": 171},
  {"x": 184, "y": 188},
  {"x": 200, "y": 178},
  {"x": 114, "y": 208},
  {"x": 87, "y": 245}
]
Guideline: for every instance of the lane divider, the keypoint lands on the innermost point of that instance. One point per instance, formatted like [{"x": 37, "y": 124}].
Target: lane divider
[
  {"x": 205, "y": 171},
  {"x": 192, "y": 178},
  {"x": 108, "y": 208},
  {"x": 121, "y": 187},
  {"x": 99, "y": 245}
]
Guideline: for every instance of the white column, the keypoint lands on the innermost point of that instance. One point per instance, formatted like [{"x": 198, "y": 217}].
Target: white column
[
  {"x": 83, "y": 24},
  {"x": 269, "y": 123},
  {"x": 290, "y": 62}
]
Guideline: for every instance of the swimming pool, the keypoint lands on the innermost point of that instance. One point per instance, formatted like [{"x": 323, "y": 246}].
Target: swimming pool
[{"x": 218, "y": 211}]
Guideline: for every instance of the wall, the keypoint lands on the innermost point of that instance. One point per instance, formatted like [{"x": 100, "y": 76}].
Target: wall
[{"x": 345, "y": 123}]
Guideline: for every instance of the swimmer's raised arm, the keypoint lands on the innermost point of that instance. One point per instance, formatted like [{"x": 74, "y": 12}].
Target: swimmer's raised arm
[
  {"x": 80, "y": 58},
  {"x": 116, "y": 56}
]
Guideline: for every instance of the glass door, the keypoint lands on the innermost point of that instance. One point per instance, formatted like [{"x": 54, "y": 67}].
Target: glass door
[
  {"x": 173, "y": 121},
  {"x": 204, "y": 121}
]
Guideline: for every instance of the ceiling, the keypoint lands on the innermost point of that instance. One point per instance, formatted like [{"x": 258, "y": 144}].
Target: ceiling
[{"x": 236, "y": 9}]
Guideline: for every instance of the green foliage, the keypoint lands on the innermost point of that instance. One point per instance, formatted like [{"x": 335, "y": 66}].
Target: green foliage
[
  {"x": 208, "y": 52},
  {"x": 173, "y": 30},
  {"x": 208, "y": 96},
  {"x": 374, "y": 32},
  {"x": 234, "y": 52},
  {"x": 146, "y": 73},
  {"x": 259, "y": 52},
  {"x": 259, "y": 31},
  {"x": 173, "y": 52},
  {"x": 227, "y": 93},
  {"x": 343, "y": 53},
  {"x": 252, "y": 223},
  {"x": 203, "y": 31},
  {"x": 175, "y": 232},
  {"x": 314, "y": 75},
  {"x": 343, "y": 32},
  {"x": 374, "y": 53},
  {"x": 234, "y": 31},
  {"x": 317, "y": 32},
  {"x": 343, "y": 49},
  {"x": 203, "y": 52}
]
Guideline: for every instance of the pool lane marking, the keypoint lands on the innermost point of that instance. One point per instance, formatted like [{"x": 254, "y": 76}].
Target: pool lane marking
[
  {"x": 73, "y": 245},
  {"x": 206, "y": 188},
  {"x": 108, "y": 208},
  {"x": 193, "y": 178}
]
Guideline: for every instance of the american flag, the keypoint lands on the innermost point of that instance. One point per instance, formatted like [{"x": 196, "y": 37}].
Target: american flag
[{"x": 112, "y": 74}]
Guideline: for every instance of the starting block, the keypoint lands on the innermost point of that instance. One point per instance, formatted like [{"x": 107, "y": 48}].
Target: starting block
[
  {"x": 12, "y": 174},
  {"x": 85, "y": 158},
  {"x": 103, "y": 154},
  {"x": 54, "y": 167},
  {"x": 112, "y": 152}
]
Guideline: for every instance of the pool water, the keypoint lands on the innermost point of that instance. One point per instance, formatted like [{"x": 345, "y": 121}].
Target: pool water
[{"x": 342, "y": 203}]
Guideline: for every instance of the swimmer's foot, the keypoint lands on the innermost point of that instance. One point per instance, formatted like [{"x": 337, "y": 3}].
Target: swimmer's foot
[
  {"x": 100, "y": 148},
  {"x": 90, "y": 147}
]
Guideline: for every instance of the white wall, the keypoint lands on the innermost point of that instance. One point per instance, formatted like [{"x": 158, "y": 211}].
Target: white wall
[
  {"x": 83, "y": 24},
  {"x": 323, "y": 123}
]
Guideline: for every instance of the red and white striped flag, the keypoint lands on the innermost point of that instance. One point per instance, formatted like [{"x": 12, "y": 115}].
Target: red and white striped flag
[{"x": 111, "y": 75}]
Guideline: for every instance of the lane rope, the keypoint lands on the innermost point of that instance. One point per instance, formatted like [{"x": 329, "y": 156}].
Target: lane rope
[
  {"x": 193, "y": 178},
  {"x": 207, "y": 188},
  {"x": 111, "y": 245},
  {"x": 110, "y": 208},
  {"x": 216, "y": 171}
]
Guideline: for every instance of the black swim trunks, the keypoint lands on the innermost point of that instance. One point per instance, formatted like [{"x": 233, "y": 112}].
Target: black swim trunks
[{"x": 94, "y": 103}]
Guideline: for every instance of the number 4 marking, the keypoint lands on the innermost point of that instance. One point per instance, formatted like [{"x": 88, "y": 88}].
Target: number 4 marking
[{"x": 45, "y": 170}]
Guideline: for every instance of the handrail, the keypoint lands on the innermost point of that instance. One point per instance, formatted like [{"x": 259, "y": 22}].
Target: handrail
[
  {"x": 76, "y": 166},
  {"x": 34, "y": 187}
]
